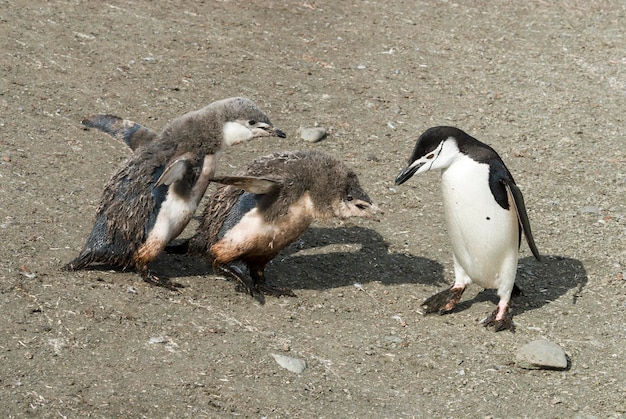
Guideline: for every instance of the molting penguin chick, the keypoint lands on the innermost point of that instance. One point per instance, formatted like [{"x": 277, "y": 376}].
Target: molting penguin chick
[
  {"x": 153, "y": 195},
  {"x": 485, "y": 215},
  {"x": 273, "y": 201}
]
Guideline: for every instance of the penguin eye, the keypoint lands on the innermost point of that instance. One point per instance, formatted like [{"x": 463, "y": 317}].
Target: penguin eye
[
  {"x": 252, "y": 122},
  {"x": 430, "y": 156},
  {"x": 349, "y": 198}
]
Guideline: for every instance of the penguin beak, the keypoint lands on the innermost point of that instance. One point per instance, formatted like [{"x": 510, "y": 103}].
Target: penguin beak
[
  {"x": 279, "y": 133},
  {"x": 266, "y": 130},
  {"x": 407, "y": 172},
  {"x": 373, "y": 212},
  {"x": 357, "y": 208}
]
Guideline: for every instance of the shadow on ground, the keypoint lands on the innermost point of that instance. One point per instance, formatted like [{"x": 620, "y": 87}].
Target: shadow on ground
[
  {"x": 325, "y": 258},
  {"x": 541, "y": 283},
  {"x": 333, "y": 257}
]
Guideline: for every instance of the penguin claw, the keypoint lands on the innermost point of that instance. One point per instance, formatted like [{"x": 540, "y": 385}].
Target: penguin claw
[
  {"x": 234, "y": 272},
  {"x": 506, "y": 323},
  {"x": 164, "y": 282},
  {"x": 443, "y": 302}
]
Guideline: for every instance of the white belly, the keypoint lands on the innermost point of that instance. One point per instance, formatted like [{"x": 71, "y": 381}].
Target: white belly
[
  {"x": 484, "y": 236},
  {"x": 253, "y": 232},
  {"x": 174, "y": 215}
]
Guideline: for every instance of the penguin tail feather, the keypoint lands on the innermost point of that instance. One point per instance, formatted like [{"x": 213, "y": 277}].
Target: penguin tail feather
[
  {"x": 78, "y": 263},
  {"x": 122, "y": 261}
]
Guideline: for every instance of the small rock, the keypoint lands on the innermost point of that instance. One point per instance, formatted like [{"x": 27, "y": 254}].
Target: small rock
[
  {"x": 292, "y": 364},
  {"x": 541, "y": 354},
  {"x": 393, "y": 339},
  {"x": 590, "y": 209},
  {"x": 312, "y": 135}
]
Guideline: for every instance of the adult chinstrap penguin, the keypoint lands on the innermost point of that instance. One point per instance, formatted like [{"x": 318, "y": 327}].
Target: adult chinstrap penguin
[{"x": 485, "y": 216}]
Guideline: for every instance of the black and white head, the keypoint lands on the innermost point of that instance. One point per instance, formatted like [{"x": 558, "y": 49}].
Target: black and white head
[
  {"x": 222, "y": 123},
  {"x": 436, "y": 149},
  {"x": 244, "y": 120}
]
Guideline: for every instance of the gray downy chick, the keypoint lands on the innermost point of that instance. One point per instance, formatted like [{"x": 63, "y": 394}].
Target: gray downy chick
[
  {"x": 485, "y": 216},
  {"x": 269, "y": 205},
  {"x": 153, "y": 195}
]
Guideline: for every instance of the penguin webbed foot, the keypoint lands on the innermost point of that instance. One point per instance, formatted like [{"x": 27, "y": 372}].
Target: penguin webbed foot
[
  {"x": 257, "y": 272},
  {"x": 505, "y": 323},
  {"x": 255, "y": 284},
  {"x": 443, "y": 302},
  {"x": 245, "y": 283}
]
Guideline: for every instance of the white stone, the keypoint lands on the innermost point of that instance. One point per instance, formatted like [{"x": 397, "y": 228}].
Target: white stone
[
  {"x": 312, "y": 135},
  {"x": 541, "y": 354},
  {"x": 292, "y": 364}
]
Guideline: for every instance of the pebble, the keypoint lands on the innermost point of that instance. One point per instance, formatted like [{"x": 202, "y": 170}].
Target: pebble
[
  {"x": 589, "y": 210},
  {"x": 541, "y": 354},
  {"x": 292, "y": 364},
  {"x": 312, "y": 135},
  {"x": 393, "y": 339}
]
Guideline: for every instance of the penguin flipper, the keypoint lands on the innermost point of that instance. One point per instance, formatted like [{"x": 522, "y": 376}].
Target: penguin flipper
[
  {"x": 174, "y": 171},
  {"x": 128, "y": 132},
  {"x": 251, "y": 184},
  {"x": 522, "y": 216}
]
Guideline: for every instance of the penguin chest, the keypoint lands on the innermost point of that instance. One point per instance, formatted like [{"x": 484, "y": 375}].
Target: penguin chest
[
  {"x": 484, "y": 236},
  {"x": 174, "y": 215},
  {"x": 181, "y": 200},
  {"x": 254, "y": 237}
]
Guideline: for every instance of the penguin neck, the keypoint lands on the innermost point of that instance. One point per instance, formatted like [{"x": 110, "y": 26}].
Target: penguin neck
[
  {"x": 235, "y": 133},
  {"x": 464, "y": 175}
]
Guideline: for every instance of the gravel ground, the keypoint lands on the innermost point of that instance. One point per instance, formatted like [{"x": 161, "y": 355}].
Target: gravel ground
[{"x": 544, "y": 83}]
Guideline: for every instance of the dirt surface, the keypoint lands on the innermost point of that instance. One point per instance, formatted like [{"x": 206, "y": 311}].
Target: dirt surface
[{"x": 543, "y": 82}]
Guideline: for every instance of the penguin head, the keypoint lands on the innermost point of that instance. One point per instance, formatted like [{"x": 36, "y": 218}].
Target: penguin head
[
  {"x": 219, "y": 124},
  {"x": 352, "y": 201},
  {"x": 243, "y": 120},
  {"x": 435, "y": 149}
]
